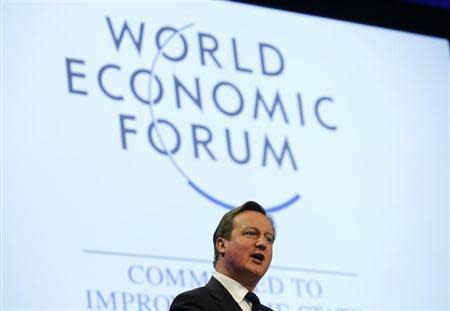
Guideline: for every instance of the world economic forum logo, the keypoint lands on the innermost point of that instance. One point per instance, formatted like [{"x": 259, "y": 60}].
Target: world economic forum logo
[{"x": 228, "y": 96}]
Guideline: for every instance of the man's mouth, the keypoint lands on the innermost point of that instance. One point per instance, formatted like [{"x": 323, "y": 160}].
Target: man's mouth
[{"x": 258, "y": 257}]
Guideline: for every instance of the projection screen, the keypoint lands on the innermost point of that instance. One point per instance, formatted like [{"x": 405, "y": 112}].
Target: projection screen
[{"x": 130, "y": 128}]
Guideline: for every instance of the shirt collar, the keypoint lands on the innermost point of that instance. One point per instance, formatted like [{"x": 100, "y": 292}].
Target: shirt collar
[{"x": 236, "y": 290}]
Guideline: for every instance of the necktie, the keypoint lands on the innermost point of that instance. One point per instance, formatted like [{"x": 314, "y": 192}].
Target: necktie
[{"x": 254, "y": 300}]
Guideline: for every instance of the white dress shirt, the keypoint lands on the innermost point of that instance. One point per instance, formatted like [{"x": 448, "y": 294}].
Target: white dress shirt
[{"x": 236, "y": 290}]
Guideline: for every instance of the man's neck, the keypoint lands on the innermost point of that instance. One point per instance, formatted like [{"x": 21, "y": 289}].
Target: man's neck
[{"x": 248, "y": 284}]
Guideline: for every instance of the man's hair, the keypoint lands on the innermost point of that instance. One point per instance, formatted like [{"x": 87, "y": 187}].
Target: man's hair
[{"x": 225, "y": 226}]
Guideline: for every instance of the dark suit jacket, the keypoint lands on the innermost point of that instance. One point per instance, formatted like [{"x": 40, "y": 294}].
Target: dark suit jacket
[{"x": 211, "y": 297}]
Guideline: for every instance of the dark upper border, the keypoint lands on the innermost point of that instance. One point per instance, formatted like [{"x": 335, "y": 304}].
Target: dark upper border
[{"x": 383, "y": 13}]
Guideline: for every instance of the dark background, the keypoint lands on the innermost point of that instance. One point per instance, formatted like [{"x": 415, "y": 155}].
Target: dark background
[{"x": 430, "y": 17}]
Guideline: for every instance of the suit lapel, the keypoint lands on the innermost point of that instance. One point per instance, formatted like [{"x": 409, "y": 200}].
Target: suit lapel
[{"x": 223, "y": 298}]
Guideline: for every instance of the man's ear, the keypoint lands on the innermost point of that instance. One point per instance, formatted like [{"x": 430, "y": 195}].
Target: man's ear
[{"x": 220, "y": 246}]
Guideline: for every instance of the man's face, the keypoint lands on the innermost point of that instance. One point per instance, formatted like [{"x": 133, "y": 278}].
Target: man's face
[{"x": 248, "y": 253}]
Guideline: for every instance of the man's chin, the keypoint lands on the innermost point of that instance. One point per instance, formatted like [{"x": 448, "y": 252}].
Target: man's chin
[{"x": 257, "y": 270}]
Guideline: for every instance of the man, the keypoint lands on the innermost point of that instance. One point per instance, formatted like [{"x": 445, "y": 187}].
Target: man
[{"x": 242, "y": 254}]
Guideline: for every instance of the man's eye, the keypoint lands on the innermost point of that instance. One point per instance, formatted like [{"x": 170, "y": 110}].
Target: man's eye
[
  {"x": 250, "y": 233},
  {"x": 269, "y": 239}
]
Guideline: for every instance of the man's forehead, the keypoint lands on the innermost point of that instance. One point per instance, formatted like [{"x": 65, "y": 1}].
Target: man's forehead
[{"x": 251, "y": 219}]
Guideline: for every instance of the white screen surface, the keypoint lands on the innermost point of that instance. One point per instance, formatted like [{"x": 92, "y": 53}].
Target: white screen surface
[{"x": 340, "y": 130}]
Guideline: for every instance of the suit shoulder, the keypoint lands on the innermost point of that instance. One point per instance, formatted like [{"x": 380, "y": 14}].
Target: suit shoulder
[
  {"x": 190, "y": 300},
  {"x": 265, "y": 308},
  {"x": 196, "y": 292}
]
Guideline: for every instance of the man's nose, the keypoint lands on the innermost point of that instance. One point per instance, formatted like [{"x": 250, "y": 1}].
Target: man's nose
[{"x": 261, "y": 244}]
